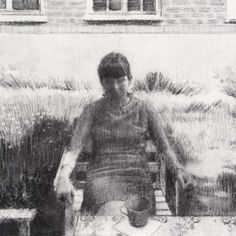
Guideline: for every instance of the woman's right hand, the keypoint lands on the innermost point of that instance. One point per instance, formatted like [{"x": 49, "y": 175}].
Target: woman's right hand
[
  {"x": 63, "y": 188},
  {"x": 186, "y": 180}
]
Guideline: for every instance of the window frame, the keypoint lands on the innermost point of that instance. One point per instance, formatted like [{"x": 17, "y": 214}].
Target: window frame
[
  {"x": 9, "y": 15},
  {"x": 123, "y": 14},
  {"x": 229, "y": 18}
]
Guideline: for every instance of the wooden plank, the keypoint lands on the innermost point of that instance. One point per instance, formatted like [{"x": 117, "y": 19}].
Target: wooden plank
[
  {"x": 17, "y": 214},
  {"x": 78, "y": 199},
  {"x": 162, "y": 206},
  {"x": 163, "y": 213},
  {"x": 153, "y": 167},
  {"x": 69, "y": 221},
  {"x": 158, "y": 193},
  {"x": 160, "y": 198},
  {"x": 24, "y": 228},
  {"x": 23, "y": 216}
]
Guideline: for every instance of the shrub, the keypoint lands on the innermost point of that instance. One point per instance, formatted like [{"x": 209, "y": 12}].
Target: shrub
[{"x": 157, "y": 82}]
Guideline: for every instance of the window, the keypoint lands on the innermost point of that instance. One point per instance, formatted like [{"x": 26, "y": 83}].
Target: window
[
  {"x": 22, "y": 11},
  {"x": 121, "y": 10},
  {"x": 231, "y": 11}
]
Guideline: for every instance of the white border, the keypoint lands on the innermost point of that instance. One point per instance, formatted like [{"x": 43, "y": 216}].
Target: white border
[{"x": 231, "y": 11}]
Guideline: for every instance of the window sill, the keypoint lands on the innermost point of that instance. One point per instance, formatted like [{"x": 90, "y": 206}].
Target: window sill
[
  {"x": 24, "y": 18},
  {"x": 230, "y": 21},
  {"x": 121, "y": 17}
]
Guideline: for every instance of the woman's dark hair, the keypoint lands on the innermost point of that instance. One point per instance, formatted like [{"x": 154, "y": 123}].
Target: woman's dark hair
[{"x": 114, "y": 65}]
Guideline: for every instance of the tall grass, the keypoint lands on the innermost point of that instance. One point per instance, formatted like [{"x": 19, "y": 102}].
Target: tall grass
[
  {"x": 13, "y": 78},
  {"x": 36, "y": 126},
  {"x": 158, "y": 82},
  {"x": 203, "y": 136},
  {"x": 230, "y": 89},
  {"x": 227, "y": 81},
  {"x": 195, "y": 132}
]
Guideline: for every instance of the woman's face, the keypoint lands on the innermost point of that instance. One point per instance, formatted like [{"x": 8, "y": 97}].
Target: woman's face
[{"x": 116, "y": 87}]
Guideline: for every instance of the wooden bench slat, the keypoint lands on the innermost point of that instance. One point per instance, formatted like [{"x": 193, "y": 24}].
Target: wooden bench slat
[
  {"x": 158, "y": 193},
  {"x": 83, "y": 166},
  {"x": 17, "y": 214},
  {"x": 163, "y": 213},
  {"x": 162, "y": 205},
  {"x": 160, "y": 198}
]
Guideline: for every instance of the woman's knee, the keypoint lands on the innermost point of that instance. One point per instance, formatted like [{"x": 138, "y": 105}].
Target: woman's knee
[{"x": 110, "y": 208}]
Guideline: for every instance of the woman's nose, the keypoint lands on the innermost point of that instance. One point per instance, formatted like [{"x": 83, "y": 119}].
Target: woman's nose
[{"x": 116, "y": 86}]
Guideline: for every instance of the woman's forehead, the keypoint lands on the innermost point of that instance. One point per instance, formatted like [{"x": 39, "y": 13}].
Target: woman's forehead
[{"x": 115, "y": 78}]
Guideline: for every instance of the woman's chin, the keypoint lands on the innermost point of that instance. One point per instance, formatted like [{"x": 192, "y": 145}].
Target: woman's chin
[{"x": 117, "y": 96}]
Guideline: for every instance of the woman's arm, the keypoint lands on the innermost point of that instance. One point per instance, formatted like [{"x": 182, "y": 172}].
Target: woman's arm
[
  {"x": 159, "y": 138},
  {"x": 80, "y": 140}
]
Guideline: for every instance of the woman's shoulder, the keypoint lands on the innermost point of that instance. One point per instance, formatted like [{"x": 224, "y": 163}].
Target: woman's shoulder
[
  {"x": 144, "y": 102},
  {"x": 87, "y": 112},
  {"x": 149, "y": 107},
  {"x": 94, "y": 106}
]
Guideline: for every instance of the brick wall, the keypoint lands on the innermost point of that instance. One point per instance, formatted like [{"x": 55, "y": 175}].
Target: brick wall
[
  {"x": 67, "y": 16},
  {"x": 194, "y": 11},
  {"x": 173, "y": 11},
  {"x": 62, "y": 12}
]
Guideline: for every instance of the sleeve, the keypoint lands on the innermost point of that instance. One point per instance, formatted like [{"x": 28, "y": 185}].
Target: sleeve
[
  {"x": 81, "y": 139},
  {"x": 159, "y": 138}
]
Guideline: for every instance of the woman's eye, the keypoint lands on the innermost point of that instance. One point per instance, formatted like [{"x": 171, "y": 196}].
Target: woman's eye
[
  {"x": 121, "y": 80},
  {"x": 107, "y": 82}
]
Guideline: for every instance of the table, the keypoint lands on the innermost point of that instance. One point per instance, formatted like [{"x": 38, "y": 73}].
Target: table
[{"x": 161, "y": 225}]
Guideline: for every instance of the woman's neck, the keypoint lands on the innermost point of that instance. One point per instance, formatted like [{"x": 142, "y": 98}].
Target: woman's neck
[{"x": 121, "y": 101}]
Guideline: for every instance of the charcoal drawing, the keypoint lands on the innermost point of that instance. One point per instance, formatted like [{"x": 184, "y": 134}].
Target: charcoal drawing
[{"x": 117, "y": 117}]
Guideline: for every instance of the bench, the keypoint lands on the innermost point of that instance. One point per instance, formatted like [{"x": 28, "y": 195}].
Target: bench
[
  {"x": 160, "y": 173},
  {"x": 21, "y": 216}
]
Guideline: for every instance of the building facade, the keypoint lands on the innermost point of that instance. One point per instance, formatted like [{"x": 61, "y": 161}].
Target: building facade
[{"x": 129, "y": 16}]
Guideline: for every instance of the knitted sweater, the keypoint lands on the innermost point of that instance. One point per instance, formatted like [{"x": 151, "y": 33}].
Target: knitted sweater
[{"x": 116, "y": 137}]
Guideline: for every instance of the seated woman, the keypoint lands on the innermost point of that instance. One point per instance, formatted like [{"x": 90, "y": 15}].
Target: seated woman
[{"x": 114, "y": 130}]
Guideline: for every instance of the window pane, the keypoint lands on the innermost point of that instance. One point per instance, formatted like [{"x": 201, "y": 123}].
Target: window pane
[
  {"x": 134, "y": 5},
  {"x": 25, "y": 4},
  {"x": 18, "y": 4},
  {"x": 99, "y": 5},
  {"x": 2, "y": 4},
  {"x": 115, "y": 5},
  {"x": 32, "y": 4},
  {"x": 149, "y": 5}
]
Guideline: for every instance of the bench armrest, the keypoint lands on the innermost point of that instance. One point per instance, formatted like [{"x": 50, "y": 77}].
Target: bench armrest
[
  {"x": 170, "y": 186},
  {"x": 59, "y": 169}
]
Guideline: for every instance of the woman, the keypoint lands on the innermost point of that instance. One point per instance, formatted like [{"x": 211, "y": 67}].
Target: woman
[{"x": 114, "y": 130}]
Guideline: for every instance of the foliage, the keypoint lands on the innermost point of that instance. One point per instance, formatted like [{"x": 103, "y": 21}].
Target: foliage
[
  {"x": 157, "y": 82},
  {"x": 12, "y": 78},
  {"x": 230, "y": 90},
  {"x": 36, "y": 125},
  {"x": 28, "y": 170}
]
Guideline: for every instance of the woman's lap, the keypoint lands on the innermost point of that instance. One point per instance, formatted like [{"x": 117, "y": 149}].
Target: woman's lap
[
  {"x": 105, "y": 194},
  {"x": 110, "y": 208}
]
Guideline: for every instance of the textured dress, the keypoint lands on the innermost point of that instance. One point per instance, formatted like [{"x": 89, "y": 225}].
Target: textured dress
[{"x": 116, "y": 138}]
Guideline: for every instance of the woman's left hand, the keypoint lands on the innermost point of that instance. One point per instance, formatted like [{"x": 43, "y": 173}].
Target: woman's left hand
[{"x": 186, "y": 180}]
